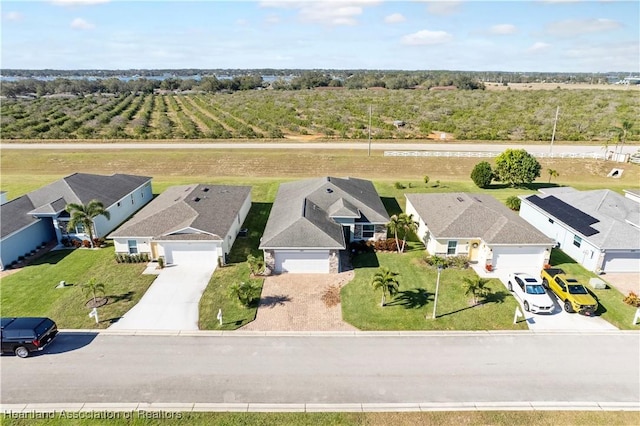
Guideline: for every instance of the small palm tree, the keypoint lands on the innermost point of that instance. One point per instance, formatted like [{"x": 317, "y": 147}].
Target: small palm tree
[
  {"x": 477, "y": 287},
  {"x": 245, "y": 292},
  {"x": 552, "y": 173},
  {"x": 93, "y": 288},
  {"x": 255, "y": 264},
  {"x": 394, "y": 225},
  {"x": 385, "y": 280},
  {"x": 407, "y": 225},
  {"x": 621, "y": 134},
  {"x": 84, "y": 214}
]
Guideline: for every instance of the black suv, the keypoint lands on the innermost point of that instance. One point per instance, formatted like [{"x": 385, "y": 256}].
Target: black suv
[{"x": 24, "y": 335}]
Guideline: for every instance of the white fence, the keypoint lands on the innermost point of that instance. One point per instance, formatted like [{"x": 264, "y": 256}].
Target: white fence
[{"x": 474, "y": 154}]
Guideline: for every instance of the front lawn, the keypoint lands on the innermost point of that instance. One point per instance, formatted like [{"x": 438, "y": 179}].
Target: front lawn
[
  {"x": 610, "y": 301},
  {"x": 32, "y": 291},
  {"x": 409, "y": 309}
]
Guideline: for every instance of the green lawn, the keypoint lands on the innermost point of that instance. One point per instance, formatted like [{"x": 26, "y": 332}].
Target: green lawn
[
  {"x": 610, "y": 301},
  {"x": 32, "y": 291},
  {"x": 409, "y": 309}
]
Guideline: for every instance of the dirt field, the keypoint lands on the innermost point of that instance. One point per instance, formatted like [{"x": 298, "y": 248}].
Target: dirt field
[{"x": 554, "y": 86}]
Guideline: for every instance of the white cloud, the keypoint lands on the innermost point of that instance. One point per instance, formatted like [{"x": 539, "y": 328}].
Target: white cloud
[
  {"x": 426, "y": 37},
  {"x": 502, "y": 29},
  {"x": 572, "y": 27},
  {"x": 78, "y": 2},
  {"x": 272, "y": 19},
  {"x": 81, "y": 24},
  {"x": 538, "y": 47},
  {"x": 13, "y": 16},
  {"x": 335, "y": 12},
  {"x": 394, "y": 18},
  {"x": 242, "y": 22},
  {"x": 443, "y": 8}
]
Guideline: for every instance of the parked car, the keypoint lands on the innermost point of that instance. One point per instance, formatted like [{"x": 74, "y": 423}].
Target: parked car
[
  {"x": 24, "y": 335},
  {"x": 575, "y": 296},
  {"x": 530, "y": 290}
]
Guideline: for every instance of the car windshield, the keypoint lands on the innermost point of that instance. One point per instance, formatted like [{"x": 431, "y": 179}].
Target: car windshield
[
  {"x": 531, "y": 280},
  {"x": 535, "y": 289},
  {"x": 577, "y": 289}
]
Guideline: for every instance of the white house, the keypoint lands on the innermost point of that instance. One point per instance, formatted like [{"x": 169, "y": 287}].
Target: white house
[
  {"x": 187, "y": 224},
  {"x": 600, "y": 229},
  {"x": 480, "y": 227}
]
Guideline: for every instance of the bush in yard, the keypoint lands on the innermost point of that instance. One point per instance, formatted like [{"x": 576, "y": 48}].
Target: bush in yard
[
  {"x": 426, "y": 179},
  {"x": 482, "y": 174},
  {"x": 255, "y": 264},
  {"x": 459, "y": 262},
  {"x": 398, "y": 185},
  {"x": 517, "y": 167},
  {"x": 632, "y": 299},
  {"x": 245, "y": 292},
  {"x": 513, "y": 203}
]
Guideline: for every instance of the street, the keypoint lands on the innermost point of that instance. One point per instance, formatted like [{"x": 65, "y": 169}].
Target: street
[{"x": 446, "y": 367}]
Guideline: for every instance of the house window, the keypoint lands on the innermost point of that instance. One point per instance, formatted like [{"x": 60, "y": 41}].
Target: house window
[
  {"x": 551, "y": 221},
  {"x": 451, "y": 247},
  {"x": 132, "y": 202},
  {"x": 367, "y": 231},
  {"x": 118, "y": 203},
  {"x": 133, "y": 246},
  {"x": 577, "y": 241}
]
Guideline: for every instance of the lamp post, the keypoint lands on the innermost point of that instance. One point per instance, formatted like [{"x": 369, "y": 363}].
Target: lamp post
[{"x": 435, "y": 300}]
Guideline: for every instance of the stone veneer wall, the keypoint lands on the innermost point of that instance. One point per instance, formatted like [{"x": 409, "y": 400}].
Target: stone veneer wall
[
  {"x": 334, "y": 261},
  {"x": 269, "y": 262}
]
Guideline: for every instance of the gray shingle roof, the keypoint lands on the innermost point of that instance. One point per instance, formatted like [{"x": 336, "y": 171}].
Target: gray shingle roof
[
  {"x": 618, "y": 225},
  {"x": 76, "y": 188},
  {"x": 302, "y": 212},
  {"x": 207, "y": 210},
  {"x": 461, "y": 215}
]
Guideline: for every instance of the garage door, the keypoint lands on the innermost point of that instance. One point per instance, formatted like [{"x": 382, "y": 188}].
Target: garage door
[
  {"x": 307, "y": 262},
  {"x": 185, "y": 253},
  {"x": 622, "y": 262},
  {"x": 521, "y": 259}
]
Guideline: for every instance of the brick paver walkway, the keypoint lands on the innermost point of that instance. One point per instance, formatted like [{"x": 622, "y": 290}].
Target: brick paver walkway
[{"x": 293, "y": 302}]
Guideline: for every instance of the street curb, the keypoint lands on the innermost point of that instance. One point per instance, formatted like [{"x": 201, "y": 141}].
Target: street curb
[
  {"x": 139, "y": 409},
  {"x": 238, "y": 333}
]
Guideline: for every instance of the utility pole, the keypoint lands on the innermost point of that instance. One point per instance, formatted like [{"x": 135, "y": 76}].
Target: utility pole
[
  {"x": 553, "y": 135},
  {"x": 369, "y": 153}
]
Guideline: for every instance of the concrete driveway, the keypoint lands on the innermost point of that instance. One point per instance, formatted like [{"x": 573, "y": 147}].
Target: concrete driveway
[
  {"x": 171, "y": 303},
  {"x": 558, "y": 319}
]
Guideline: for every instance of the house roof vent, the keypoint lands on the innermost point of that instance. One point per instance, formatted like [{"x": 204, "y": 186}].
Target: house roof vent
[
  {"x": 329, "y": 190},
  {"x": 205, "y": 189},
  {"x": 460, "y": 199},
  {"x": 196, "y": 199}
]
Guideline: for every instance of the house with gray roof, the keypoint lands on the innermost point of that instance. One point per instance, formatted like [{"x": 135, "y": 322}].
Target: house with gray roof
[
  {"x": 600, "y": 229},
  {"x": 186, "y": 224},
  {"x": 312, "y": 220},
  {"x": 480, "y": 227},
  {"x": 39, "y": 217}
]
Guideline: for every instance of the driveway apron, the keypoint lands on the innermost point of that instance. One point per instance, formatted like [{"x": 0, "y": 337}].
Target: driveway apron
[{"x": 171, "y": 303}]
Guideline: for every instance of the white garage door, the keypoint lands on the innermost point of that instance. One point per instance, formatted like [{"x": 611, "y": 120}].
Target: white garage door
[
  {"x": 622, "y": 262},
  {"x": 307, "y": 262},
  {"x": 185, "y": 253},
  {"x": 522, "y": 259}
]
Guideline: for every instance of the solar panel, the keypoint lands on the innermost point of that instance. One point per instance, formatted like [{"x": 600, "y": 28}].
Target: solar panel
[{"x": 575, "y": 218}]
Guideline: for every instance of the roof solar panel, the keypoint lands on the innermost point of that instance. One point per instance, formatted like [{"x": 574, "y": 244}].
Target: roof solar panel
[{"x": 575, "y": 218}]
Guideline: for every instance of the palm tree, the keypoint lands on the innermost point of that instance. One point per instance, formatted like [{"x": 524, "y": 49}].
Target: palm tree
[
  {"x": 93, "y": 288},
  {"x": 386, "y": 280},
  {"x": 552, "y": 173},
  {"x": 408, "y": 225},
  {"x": 83, "y": 214},
  {"x": 621, "y": 134},
  {"x": 394, "y": 225},
  {"x": 477, "y": 287}
]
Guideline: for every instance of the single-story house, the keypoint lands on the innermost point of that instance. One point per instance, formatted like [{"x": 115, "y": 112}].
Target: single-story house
[
  {"x": 312, "y": 220},
  {"x": 39, "y": 217},
  {"x": 186, "y": 224},
  {"x": 480, "y": 227},
  {"x": 600, "y": 229}
]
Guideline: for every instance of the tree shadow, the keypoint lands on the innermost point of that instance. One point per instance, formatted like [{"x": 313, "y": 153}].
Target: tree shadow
[
  {"x": 497, "y": 297},
  {"x": 457, "y": 310},
  {"x": 411, "y": 299},
  {"x": 365, "y": 260},
  {"x": 391, "y": 204},
  {"x": 115, "y": 298},
  {"x": 273, "y": 301}
]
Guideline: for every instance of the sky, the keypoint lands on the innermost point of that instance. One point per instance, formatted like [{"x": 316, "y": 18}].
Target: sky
[{"x": 595, "y": 36}]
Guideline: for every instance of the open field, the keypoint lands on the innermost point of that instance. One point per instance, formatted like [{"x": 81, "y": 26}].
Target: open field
[
  {"x": 563, "y": 86},
  {"x": 493, "y": 114}
]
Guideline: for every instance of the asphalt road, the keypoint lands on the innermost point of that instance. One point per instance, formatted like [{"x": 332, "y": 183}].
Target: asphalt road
[
  {"x": 455, "y": 147},
  {"x": 422, "y": 367}
]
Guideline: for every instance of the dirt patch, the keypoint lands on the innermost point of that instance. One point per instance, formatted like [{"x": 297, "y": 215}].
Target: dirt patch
[{"x": 294, "y": 302}]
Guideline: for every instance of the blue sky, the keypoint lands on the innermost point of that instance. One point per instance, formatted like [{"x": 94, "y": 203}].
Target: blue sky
[{"x": 560, "y": 36}]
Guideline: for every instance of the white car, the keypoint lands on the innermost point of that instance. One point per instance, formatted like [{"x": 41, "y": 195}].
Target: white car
[{"x": 529, "y": 289}]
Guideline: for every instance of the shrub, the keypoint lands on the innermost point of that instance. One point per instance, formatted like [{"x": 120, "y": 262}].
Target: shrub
[
  {"x": 245, "y": 292},
  {"x": 459, "y": 262},
  {"x": 161, "y": 262},
  {"x": 86, "y": 243},
  {"x": 426, "y": 179},
  {"x": 398, "y": 185},
  {"x": 482, "y": 175},
  {"x": 513, "y": 203},
  {"x": 76, "y": 243},
  {"x": 632, "y": 299}
]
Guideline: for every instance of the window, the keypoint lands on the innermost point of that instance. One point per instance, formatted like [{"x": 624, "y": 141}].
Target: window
[
  {"x": 133, "y": 246},
  {"x": 577, "y": 241},
  {"x": 367, "y": 231},
  {"x": 79, "y": 228},
  {"x": 451, "y": 247},
  {"x": 118, "y": 203}
]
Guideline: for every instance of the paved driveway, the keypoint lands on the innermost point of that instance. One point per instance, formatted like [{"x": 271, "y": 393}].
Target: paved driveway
[
  {"x": 558, "y": 319},
  {"x": 171, "y": 303},
  {"x": 293, "y": 302}
]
